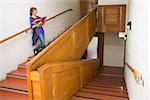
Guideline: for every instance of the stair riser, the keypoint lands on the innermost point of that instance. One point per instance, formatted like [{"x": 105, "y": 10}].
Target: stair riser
[{"x": 13, "y": 90}]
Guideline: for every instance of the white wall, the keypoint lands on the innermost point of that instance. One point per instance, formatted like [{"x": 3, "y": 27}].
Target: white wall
[
  {"x": 14, "y": 16},
  {"x": 92, "y": 48},
  {"x": 113, "y": 50},
  {"x": 137, "y": 49},
  {"x": 107, "y": 2}
]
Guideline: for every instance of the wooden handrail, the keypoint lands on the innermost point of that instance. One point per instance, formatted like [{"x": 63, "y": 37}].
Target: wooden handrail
[
  {"x": 25, "y": 30},
  {"x": 135, "y": 73},
  {"x": 129, "y": 67}
]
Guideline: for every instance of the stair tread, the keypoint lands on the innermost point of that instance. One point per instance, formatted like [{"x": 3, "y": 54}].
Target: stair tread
[
  {"x": 109, "y": 83},
  {"x": 105, "y": 85},
  {"x": 79, "y": 98},
  {"x": 112, "y": 70},
  {"x": 109, "y": 79},
  {"x": 104, "y": 89},
  {"x": 7, "y": 95},
  {"x": 19, "y": 72},
  {"x": 100, "y": 77},
  {"x": 117, "y": 94},
  {"x": 98, "y": 96},
  {"x": 14, "y": 83},
  {"x": 23, "y": 64},
  {"x": 29, "y": 58}
]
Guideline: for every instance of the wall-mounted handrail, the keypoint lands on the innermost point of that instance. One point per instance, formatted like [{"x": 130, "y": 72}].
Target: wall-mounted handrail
[
  {"x": 130, "y": 67},
  {"x": 25, "y": 30},
  {"x": 138, "y": 76},
  {"x": 135, "y": 73}
]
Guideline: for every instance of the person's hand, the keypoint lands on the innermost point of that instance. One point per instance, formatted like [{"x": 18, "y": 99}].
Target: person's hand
[
  {"x": 39, "y": 19},
  {"x": 41, "y": 23}
]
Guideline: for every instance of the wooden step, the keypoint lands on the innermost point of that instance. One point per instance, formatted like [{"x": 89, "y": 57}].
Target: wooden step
[
  {"x": 113, "y": 81},
  {"x": 101, "y": 92},
  {"x": 105, "y": 89},
  {"x": 109, "y": 83},
  {"x": 22, "y": 65},
  {"x": 98, "y": 96},
  {"x": 112, "y": 70},
  {"x": 31, "y": 57},
  {"x": 101, "y": 74},
  {"x": 20, "y": 73},
  {"x": 80, "y": 98},
  {"x": 99, "y": 77},
  {"x": 107, "y": 86},
  {"x": 7, "y": 95},
  {"x": 14, "y": 84}
]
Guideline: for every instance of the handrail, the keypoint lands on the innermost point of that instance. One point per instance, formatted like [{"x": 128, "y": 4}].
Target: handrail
[
  {"x": 135, "y": 73},
  {"x": 138, "y": 76},
  {"x": 25, "y": 30},
  {"x": 132, "y": 70}
]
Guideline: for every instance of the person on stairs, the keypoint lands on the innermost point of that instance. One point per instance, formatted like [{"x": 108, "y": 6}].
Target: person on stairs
[{"x": 36, "y": 23}]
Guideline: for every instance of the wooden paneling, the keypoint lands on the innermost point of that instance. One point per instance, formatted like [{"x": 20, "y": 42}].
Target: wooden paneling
[
  {"x": 60, "y": 81},
  {"x": 111, "y": 18},
  {"x": 69, "y": 46},
  {"x": 100, "y": 49}
]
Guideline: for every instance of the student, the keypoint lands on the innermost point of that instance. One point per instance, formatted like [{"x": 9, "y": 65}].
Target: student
[{"x": 38, "y": 31}]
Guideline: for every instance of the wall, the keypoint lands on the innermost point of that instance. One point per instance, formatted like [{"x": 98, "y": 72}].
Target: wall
[
  {"x": 137, "y": 49},
  {"x": 14, "y": 16},
  {"x": 113, "y": 50},
  {"x": 92, "y": 49}
]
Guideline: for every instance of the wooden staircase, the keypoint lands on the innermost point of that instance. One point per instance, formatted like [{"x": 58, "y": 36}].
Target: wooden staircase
[
  {"x": 108, "y": 85},
  {"x": 15, "y": 84}
]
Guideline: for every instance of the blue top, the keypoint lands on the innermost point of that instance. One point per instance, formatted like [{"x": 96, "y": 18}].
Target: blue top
[{"x": 37, "y": 30}]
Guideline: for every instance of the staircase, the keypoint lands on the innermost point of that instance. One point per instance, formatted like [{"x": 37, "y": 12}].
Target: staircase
[
  {"x": 108, "y": 85},
  {"x": 15, "y": 85}
]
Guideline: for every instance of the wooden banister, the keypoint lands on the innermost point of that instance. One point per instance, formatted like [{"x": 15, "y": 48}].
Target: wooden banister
[
  {"x": 70, "y": 46},
  {"x": 25, "y": 30},
  {"x": 50, "y": 78}
]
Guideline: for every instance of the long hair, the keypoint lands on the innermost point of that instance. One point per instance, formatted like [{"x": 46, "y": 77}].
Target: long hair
[{"x": 32, "y": 9}]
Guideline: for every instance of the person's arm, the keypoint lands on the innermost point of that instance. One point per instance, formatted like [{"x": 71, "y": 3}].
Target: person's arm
[
  {"x": 35, "y": 25},
  {"x": 33, "y": 22}
]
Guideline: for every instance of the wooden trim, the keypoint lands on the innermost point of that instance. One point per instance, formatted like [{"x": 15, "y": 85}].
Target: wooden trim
[
  {"x": 100, "y": 49},
  {"x": 112, "y": 5},
  {"x": 25, "y": 30}
]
